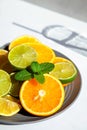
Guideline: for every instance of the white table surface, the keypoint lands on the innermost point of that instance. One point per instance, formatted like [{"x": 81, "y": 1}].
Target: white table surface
[{"x": 73, "y": 118}]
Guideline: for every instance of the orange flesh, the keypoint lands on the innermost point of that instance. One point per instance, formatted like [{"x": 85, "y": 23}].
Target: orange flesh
[
  {"x": 60, "y": 59},
  {"x": 41, "y": 97},
  {"x": 45, "y": 54}
]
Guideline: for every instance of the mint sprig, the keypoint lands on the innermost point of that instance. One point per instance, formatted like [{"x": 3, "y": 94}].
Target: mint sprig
[
  {"x": 35, "y": 70},
  {"x": 39, "y": 77},
  {"x": 23, "y": 75}
]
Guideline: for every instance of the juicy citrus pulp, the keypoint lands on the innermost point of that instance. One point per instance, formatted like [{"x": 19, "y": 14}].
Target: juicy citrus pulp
[
  {"x": 5, "y": 83},
  {"x": 23, "y": 39},
  {"x": 45, "y": 53},
  {"x": 22, "y": 55},
  {"x": 42, "y": 99},
  {"x": 64, "y": 71},
  {"x": 9, "y": 106},
  {"x": 60, "y": 59}
]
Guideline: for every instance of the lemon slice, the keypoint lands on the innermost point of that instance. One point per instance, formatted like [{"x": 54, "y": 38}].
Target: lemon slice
[
  {"x": 9, "y": 106},
  {"x": 5, "y": 83},
  {"x": 21, "y": 56},
  {"x": 64, "y": 71}
]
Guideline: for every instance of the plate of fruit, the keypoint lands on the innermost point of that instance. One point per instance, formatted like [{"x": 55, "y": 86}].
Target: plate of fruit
[{"x": 36, "y": 82}]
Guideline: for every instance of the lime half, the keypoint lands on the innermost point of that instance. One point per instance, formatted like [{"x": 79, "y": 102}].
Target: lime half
[
  {"x": 64, "y": 71},
  {"x": 5, "y": 83},
  {"x": 22, "y": 55}
]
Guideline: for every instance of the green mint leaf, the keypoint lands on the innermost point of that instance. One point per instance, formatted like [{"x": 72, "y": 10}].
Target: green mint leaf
[
  {"x": 23, "y": 75},
  {"x": 35, "y": 67},
  {"x": 40, "y": 78},
  {"x": 46, "y": 67},
  {"x": 35, "y": 70}
]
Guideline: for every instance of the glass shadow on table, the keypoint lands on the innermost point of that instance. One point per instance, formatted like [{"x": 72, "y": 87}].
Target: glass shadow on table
[{"x": 63, "y": 36}]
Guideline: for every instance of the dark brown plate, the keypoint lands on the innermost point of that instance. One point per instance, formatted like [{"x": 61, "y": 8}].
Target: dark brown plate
[{"x": 71, "y": 94}]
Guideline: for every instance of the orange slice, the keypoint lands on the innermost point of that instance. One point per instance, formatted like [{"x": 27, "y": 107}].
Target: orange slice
[
  {"x": 23, "y": 39},
  {"x": 60, "y": 59},
  {"x": 42, "y": 99},
  {"x": 45, "y": 54}
]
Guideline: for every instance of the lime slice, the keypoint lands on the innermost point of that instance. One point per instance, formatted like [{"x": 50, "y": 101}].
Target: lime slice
[
  {"x": 15, "y": 88},
  {"x": 64, "y": 71},
  {"x": 22, "y": 55},
  {"x": 5, "y": 83}
]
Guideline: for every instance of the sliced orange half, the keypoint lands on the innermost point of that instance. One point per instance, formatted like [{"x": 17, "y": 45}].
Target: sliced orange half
[{"x": 42, "y": 99}]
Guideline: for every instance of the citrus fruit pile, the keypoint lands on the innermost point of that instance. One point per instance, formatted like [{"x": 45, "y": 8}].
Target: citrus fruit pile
[{"x": 32, "y": 77}]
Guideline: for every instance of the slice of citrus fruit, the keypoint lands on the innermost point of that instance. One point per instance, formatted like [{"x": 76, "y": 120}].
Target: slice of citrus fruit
[
  {"x": 60, "y": 59},
  {"x": 3, "y": 52},
  {"x": 45, "y": 53},
  {"x": 4, "y": 63},
  {"x": 64, "y": 71},
  {"x": 22, "y": 55},
  {"x": 5, "y": 83},
  {"x": 3, "y": 57},
  {"x": 42, "y": 99},
  {"x": 9, "y": 106},
  {"x": 23, "y": 39},
  {"x": 11, "y": 98}
]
